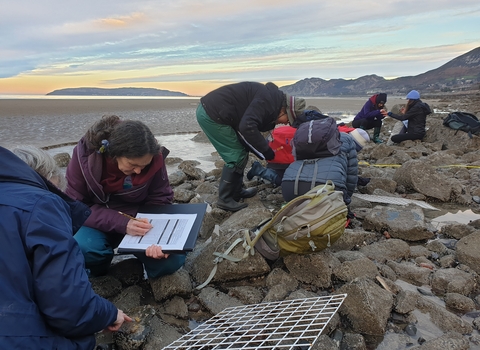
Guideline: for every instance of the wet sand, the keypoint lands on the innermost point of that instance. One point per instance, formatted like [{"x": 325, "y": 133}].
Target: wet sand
[{"x": 46, "y": 122}]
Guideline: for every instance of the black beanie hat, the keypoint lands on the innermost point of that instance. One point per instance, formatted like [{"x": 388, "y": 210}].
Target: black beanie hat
[{"x": 381, "y": 98}]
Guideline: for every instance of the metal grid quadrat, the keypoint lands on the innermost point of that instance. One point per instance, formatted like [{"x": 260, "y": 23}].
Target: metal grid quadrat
[{"x": 289, "y": 324}]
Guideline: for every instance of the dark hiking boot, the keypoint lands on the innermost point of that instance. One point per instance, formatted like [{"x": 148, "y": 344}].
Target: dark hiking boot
[{"x": 265, "y": 173}]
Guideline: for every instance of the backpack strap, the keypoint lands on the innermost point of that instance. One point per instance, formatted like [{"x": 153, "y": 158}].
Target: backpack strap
[
  {"x": 299, "y": 172},
  {"x": 295, "y": 187},
  {"x": 314, "y": 177},
  {"x": 220, "y": 256}
]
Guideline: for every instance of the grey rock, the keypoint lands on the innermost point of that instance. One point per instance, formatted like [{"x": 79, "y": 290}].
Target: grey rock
[
  {"x": 349, "y": 270},
  {"x": 452, "y": 280},
  {"x": 392, "y": 249},
  {"x": 367, "y": 306},
  {"x": 215, "y": 301},
  {"x": 411, "y": 273},
  {"x": 406, "y": 301},
  {"x": 165, "y": 287},
  {"x": 62, "y": 159},
  {"x": 246, "y": 294},
  {"x": 459, "y": 302},
  {"x": 418, "y": 176},
  {"x": 315, "y": 269},
  {"x": 407, "y": 223},
  {"x": 467, "y": 251},
  {"x": 130, "y": 298}
]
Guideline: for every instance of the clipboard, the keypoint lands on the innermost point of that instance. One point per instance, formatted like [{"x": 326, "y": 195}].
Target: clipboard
[{"x": 198, "y": 208}]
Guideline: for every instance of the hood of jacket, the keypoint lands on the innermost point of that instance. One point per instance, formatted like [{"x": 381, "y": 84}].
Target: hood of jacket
[{"x": 13, "y": 169}]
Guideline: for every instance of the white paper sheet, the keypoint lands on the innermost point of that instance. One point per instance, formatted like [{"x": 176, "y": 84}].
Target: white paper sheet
[{"x": 170, "y": 231}]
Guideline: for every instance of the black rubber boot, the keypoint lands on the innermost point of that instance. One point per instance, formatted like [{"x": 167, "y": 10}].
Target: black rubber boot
[
  {"x": 376, "y": 135},
  {"x": 230, "y": 187},
  {"x": 265, "y": 173}
]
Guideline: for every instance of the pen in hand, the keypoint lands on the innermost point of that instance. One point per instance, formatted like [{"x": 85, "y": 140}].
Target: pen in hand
[{"x": 129, "y": 216}]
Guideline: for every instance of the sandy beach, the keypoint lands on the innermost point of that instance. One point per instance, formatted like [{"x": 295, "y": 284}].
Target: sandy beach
[{"x": 46, "y": 122}]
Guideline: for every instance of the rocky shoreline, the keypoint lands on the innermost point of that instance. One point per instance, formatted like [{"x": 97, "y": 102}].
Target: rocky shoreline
[{"x": 408, "y": 284}]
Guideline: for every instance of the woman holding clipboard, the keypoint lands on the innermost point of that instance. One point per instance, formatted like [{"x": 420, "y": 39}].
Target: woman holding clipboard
[{"x": 117, "y": 167}]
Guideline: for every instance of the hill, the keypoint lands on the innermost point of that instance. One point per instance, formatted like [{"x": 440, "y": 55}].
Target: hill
[
  {"x": 129, "y": 91},
  {"x": 460, "y": 74}
]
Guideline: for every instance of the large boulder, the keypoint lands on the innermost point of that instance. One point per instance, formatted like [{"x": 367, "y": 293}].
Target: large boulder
[
  {"x": 467, "y": 251},
  {"x": 367, "y": 306},
  {"x": 417, "y": 176},
  {"x": 407, "y": 223}
]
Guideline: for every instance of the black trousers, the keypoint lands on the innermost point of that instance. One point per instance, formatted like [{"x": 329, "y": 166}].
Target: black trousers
[
  {"x": 407, "y": 136},
  {"x": 367, "y": 124}
]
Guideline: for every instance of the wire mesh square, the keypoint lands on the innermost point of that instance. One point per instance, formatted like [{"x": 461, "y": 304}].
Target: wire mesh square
[{"x": 289, "y": 324}]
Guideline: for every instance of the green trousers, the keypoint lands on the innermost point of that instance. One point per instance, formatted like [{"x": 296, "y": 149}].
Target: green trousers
[{"x": 224, "y": 139}]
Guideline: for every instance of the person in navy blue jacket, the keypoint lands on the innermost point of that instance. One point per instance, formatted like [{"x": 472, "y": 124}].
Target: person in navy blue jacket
[
  {"x": 47, "y": 301},
  {"x": 371, "y": 115}
]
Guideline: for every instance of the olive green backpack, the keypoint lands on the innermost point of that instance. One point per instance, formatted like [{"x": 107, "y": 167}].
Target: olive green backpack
[{"x": 306, "y": 224}]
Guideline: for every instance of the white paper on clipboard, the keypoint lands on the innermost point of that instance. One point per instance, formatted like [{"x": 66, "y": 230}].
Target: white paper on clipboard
[{"x": 170, "y": 231}]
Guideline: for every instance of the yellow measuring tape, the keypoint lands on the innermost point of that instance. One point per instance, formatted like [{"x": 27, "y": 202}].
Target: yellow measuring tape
[{"x": 439, "y": 166}]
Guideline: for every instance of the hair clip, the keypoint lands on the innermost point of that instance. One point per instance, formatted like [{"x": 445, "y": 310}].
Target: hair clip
[{"x": 104, "y": 146}]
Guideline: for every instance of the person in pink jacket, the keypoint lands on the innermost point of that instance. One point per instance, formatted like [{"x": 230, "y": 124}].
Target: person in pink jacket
[{"x": 118, "y": 166}]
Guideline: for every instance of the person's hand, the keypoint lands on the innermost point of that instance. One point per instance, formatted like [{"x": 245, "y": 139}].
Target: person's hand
[
  {"x": 121, "y": 317},
  {"x": 402, "y": 110},
  {"x": 138, "y": 227},
  {"x": 384, "y": 112},
  {"x": 269, "y": 154},
  {"x": 155, "y": 251}
]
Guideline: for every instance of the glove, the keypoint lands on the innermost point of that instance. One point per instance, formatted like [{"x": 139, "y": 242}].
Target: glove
[
  {"x": 269, "y": 154},
  {"x": 389, "y": 114}
]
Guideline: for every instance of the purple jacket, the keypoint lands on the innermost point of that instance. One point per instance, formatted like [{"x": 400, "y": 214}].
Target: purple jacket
[
  {"x": 84, "y": 173},
  {"x": 369, "y": 110}
]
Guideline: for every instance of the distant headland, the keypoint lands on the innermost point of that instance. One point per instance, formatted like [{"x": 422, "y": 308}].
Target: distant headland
[{"x": 127, "y": 91}]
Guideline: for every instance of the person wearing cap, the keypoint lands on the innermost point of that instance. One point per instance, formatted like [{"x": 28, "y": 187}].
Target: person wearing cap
[
  {"x": 371, "y": 115},
  {"x": 234, "y": 117},
  {"x": 415, "y": 115},
  {"x": 360, "y": 137}
]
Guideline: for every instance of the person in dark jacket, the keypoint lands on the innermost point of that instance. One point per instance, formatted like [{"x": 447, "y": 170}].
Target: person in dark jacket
[
  {"x": 415, "y": 114},
  {"x": 118, "y": 166},
  {"x": 47, "y": 301},
  {"x": 371, "y": 115},
  {"x": 233, "y": 117}
]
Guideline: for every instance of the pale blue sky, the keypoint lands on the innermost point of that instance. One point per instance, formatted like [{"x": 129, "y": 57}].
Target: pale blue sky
[{"x": 194, "y": 46}]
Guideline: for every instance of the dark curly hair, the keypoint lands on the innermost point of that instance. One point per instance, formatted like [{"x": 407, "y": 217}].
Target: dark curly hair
[{"x": 126, "y": 138}]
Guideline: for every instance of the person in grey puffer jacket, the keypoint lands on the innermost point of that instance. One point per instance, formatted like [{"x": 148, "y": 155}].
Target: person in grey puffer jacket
[
  {"x": 415, "y": 113},
  {"x": 342, "y": 168}
]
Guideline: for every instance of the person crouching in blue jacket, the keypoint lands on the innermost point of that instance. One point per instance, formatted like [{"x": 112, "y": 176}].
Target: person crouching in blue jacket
[
  {"x": 47, "y": 301},
  {"x": 342, "y": 168}
]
